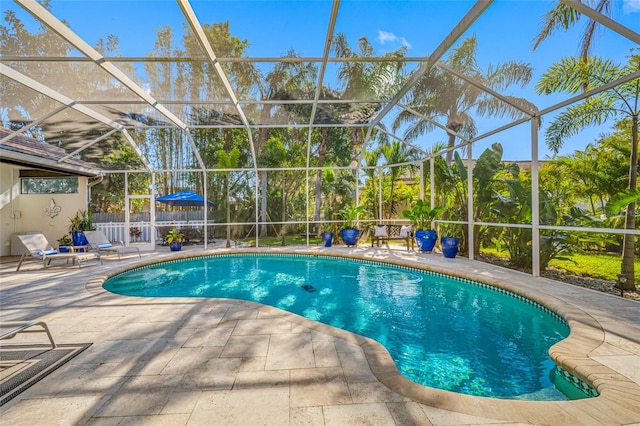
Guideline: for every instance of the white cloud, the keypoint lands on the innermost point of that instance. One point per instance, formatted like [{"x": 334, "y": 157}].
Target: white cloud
[
  {"x": 387, "y": 37},
  {"x": 631, "y": 6}
]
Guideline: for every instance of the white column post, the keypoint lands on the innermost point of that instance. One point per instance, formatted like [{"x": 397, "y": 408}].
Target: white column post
[
  {"x": 432, "y": 181},
  {"x": 535, "y": 200},
  {"x": 206, "y": 208},
  {"x": 379, "y": 169},
  {"x": 257, "y": 205},
  {"x": 306, "y": 191},
  {"x": 421, "y": 180},
  {"x": 152, "y": 211},
  {"x": 471, "y": 242},
  {"x": 127, "y": 213}
]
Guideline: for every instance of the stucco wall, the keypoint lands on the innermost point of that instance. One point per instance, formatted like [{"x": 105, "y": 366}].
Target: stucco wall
[{"x": 32, "y": 209}]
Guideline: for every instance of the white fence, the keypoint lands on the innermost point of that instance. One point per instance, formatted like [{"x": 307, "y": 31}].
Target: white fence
[{"x": 116, "y": 231}]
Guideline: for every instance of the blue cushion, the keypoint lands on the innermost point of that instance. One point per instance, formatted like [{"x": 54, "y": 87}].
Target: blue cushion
[
  {"x": 47, "y": 253},
  {"x": 105, "y": 245}
]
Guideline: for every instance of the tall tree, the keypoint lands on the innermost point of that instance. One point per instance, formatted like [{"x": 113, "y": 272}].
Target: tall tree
[
  {"x": 568, "y": 76},
  {"x": 441, "y": 95},
  {"x": 286, "y": 81},
  {"x": 228, "y": 160},
  {"x": 396, "y": 153},
  {"x": 365, "y": 80},
  {"x": 371, "y": 159}
]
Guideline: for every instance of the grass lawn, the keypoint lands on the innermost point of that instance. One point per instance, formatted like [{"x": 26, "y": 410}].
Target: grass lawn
[{"x": 597, "y": 265}]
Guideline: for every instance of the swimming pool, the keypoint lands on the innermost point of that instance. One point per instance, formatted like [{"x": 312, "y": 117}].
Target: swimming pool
[{"x": 441, "y": 331}]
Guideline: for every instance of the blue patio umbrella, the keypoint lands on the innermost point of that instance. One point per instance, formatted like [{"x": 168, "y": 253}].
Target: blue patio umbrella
[{"x": 185, "y": 198}]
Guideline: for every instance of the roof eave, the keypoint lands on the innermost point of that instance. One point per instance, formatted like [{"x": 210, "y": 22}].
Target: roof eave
[{"x": 21, "y": 159}]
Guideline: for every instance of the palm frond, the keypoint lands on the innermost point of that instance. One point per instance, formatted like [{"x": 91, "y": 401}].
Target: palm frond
[
  {"x": 621, "y": 200},
  {"x": 594, "y": 111},
  {"x": 571, "y": 73},
  {"x": 508, "y": 73},
  {"x": 561, "y": 16},
  {"x": 497, "y": 108}
]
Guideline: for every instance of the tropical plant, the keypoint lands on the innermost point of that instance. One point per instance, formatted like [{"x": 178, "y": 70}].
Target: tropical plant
[
  {"x": 336, "y": 187},
  {"x": 453, "y": 191},
  {"x": 456, "y": 230},
  {"x": 82, "y": 221},
  {"x": 422, "y": 215},
  {"x": 350, "y": 215},
  {"x": 568, "y": 76},
  {"x": 371, "y": 159},
  {"x": 513, "y": 205},
  {"x": 65, "y": 240},
  {"x": 174, "y": 235},
  {"x": 439, "y": 94}
]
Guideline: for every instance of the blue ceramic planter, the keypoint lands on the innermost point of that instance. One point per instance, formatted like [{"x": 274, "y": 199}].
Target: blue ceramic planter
[
  {"x": 175, "y": 246},
  {"x": 79, "y": 239},
  {"x": 327, "y": 238},
  {"x": 426, "y": 239},
  {"x": 350, "y": 236},
  {"x": 449, "y": 246}
]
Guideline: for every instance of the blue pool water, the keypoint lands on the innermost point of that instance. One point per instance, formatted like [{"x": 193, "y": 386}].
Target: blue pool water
[{"x": 441, "y": 331}]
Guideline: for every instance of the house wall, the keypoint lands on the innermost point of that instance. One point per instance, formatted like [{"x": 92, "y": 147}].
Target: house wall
[{"x": 24, "y": 213}]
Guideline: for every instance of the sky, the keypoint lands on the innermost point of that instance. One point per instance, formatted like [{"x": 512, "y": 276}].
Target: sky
[{"x": 504, "y": 32}]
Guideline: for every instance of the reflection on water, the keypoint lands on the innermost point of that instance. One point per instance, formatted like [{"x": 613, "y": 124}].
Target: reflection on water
[{"x": 441, "y": 332}]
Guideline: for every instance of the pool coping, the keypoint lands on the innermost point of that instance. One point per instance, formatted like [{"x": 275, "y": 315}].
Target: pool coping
[{"x": 619, "y": 397}]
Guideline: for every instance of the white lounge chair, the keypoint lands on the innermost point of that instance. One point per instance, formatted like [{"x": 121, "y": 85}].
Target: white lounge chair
[
  {"x": 38, "y": 248},
  {"x": 98, "y": 241},
  {"x": 9, "y": 329}
]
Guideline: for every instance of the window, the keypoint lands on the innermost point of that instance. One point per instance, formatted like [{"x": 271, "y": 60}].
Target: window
[{"x": 58, "y": 185}]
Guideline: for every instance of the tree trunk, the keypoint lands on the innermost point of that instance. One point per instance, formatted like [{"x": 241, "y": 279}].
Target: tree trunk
[
  {"x": 263, "y": 203},
  {"x": 322, "y": 152},
  {"x": 628, "y": 246},
  {"x": 451, "y": 142},
  {"x": 263, "y": 136}
]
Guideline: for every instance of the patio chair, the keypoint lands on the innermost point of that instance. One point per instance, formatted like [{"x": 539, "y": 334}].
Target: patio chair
[
  {"x": 99, "y": 241},
  {"x": 38, "y": 248}
]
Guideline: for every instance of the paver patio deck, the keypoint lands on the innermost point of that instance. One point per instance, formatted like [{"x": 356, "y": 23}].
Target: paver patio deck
[{"x": 179, "y": 361}]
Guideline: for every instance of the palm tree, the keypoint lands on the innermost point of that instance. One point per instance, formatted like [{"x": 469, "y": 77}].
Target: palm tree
[
  {"x": 440, "y": 94},
  {"x": 623, "y": 100},
  {"x": 371, "y": 159},
  {"x": 228, "y": 160},
  {"x": 563, "y": 16},
  {"x": 396, "y": 153},
  {"x": 366, "y": 80},
  {"x": 282, "y": 83}
]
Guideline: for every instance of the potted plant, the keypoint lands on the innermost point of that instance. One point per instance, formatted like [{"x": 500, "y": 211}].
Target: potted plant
[
  {"x": 135, "y": 233},
  {"x": 448, "y": 242},
  {"x": 349, "y": 232},
  {"x": 64, "y": 242},
  {"x": 422, "y": 215},
  {"x": 175, "y": 239},
  {"x": 327, "y": 234},
  {"x": 78, "y": 224}
]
